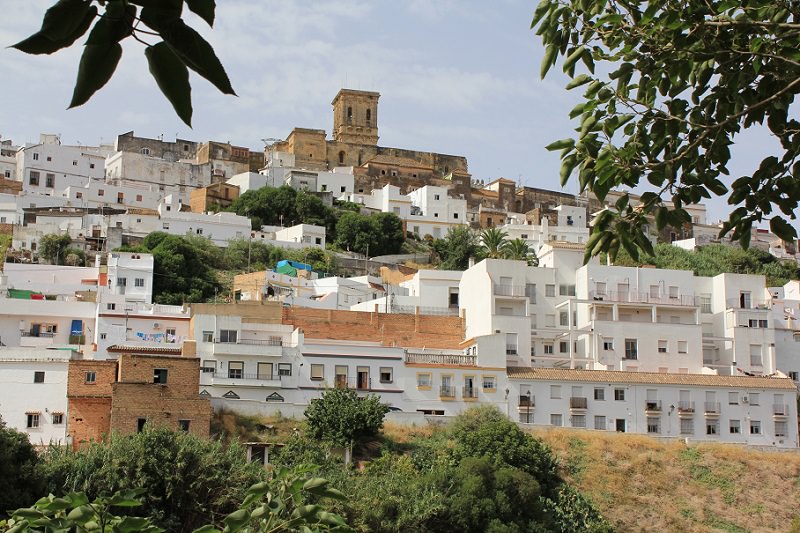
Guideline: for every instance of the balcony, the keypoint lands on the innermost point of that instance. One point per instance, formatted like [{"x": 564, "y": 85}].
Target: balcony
[
  {"x": 684, "y": 300},
  {"x": 447, "y": 391},
  {"x": 511, "y": 349},
  {"x": 780, "y": 410},
  {"x": 745, "y": 303},
  {"x": 238, "y": 379},
  {"x": 711, "y": 409},
  {"x": 578, "y": 402},
  {"x": 440, "y": 359},
  {"x": 652, "y": 406},
  {"x": 362, "y": 383},
  {"x": 526, "y": 403},
  {"x": 685, "y": 409},
  {"x": 254, "y": 347},
  {"x": 513, "y": 291},
  {"x": 36, "y": 339},
  {"x": 469, "y": 393}
]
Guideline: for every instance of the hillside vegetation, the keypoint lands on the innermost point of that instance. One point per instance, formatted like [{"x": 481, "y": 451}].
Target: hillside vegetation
[
  {"x": 643, "y": 484},
  {"x": 716, "y": 259}
]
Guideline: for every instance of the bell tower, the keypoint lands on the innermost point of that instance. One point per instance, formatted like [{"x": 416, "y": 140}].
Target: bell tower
[{"x": 355, "y": 117}]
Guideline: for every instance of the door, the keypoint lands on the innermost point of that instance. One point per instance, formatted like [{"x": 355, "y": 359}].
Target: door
[
  {"x": 620, "y": 425},
  {"x": 362, "y": 375}
]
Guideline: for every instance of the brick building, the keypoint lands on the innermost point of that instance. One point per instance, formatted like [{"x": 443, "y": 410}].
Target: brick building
[{"x": 219, "y": 195}]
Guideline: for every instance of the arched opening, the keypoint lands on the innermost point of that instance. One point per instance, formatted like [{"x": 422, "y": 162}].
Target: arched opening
[
  {"x": 369, "y": 115},
  {"x": 349, "y": 114},
  {"x": 341, "y": 157}
]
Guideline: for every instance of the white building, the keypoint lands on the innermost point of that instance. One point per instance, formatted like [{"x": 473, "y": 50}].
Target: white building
[
  {"x": 248, "y": 181},
  {"x": 33, "y": 393},
  {"x": 308, "y": 235},
  {"x": 147, "y": 169},
  {"x": 570, "y": 227},
  {"x": 340, "y": 181}
]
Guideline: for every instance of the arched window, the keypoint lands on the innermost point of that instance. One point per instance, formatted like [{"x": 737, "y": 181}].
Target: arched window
[
  {"x": 349, "y": 114},
  {"x": 341, "y": 157},
  {"x": 369, "y": 115}
]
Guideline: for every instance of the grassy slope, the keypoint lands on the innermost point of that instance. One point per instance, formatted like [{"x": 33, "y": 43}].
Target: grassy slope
[{"x": 644, "y": 484}]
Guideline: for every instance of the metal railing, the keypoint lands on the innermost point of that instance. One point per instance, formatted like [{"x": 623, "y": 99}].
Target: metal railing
[
  {"x": 652, "y": 405},
  {"x": 252, "y": 342},
  {"x": 711, "y": 407},
  {"x": 527, "y": 401},
  {"x": 440, "y": 359},
  {"x": 241, "y": 375},
  {"x": 37, "y": 334},
  {"x": 509, "y": 290},
  {"x": 447, "y": 391},
  {"x": 686, "y": 407},
  {"x": 738, "y": 303},
  {"x": 578, "y": 402},
  {"x": 469, "y": 392},
  {"x": 353, "y": 383},
  {"x": 780, "y": 409},
  {"x": 643, "y": 298}
]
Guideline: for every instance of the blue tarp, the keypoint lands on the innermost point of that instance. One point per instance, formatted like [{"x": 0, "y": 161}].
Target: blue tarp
[{"x": 293, "y": 264}]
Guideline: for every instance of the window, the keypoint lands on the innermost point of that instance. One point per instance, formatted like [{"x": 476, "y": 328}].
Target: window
[
  {"x": 733, "y": 398},
  {"x": 563, "y": 318},
  {"x": 794, "y": 376},
  {"x": 735, "y": 427},
  {"x": 74, "y": 163},
  {"x": 600, "y": 423},
  {"x": 754, "y": 398},
  {"x": 145, "y": 151},
  {"x": 530, "y": 292},
  {"x": 228, "y": 335},
  {"x": 111, "y": 306},
  {"x": 284, "y": 369},
  {"x": 138, "y": 282},
  {"x": 33, "y": 420},
  {"x": 34, "y": 178},
  {"x": 208, "y": 336},
  {"x": 91, "y": 165},
  {"x": 50, "y": 180},
  {"x": 165, "y": 225},
  {"x": 781, "y": 429},
  {"x": 489, "y": 383},
  {"x": 563, "y": 347},
  {"x": 608, "y": 345},
  {"x": 122, "y": 282},
  {"x": 654, "y": 290},
  {"x": 235, "y": 369},
  {"x": 103, "y": 336},
  {"x": 555, "y": 391},
  {"x": 183, "y": 425},
  {"x": 90, "y": 377},
  {"x": 386, "y": 374},
  {"x": 755, "y": 427},
  {"x": 653, "y": 424},
  {"x": 199, "y": 231},
  {"x": 600, "y": 394},
  {"x": 424, "y": 381},
  {"x": 548, "y": 348},
  {"x": 712, "y": 427},
  {"x": 38, "y": 377},
  {"x": 556, "y": 420},
  {"x": 101, "y": 192},
  {"x": 58, "y": 419},
  {"x": 755, "y": 355},
  {"x": 138, "y": 197},
  {"x": 619, "y": 395},
  {"x": 170, "y": 332},
  {"x": 550, "y": 290},
  {"x": 566, "y": 290},
  {"x": 662, "y": 346},
  {"x": 549, "y": 321},
  {"x": 705, "y": 303},
  {"x": 209, "y": 366},
  {"x": 631, "y": 349},
  {"x": 140, "y": 423},
  {"x": 160, "y": 375},
  {"x": 579, "y": 421},
  {"x": 264, "y": 371},
  {"x": 317, "y": 372},
  {"x": 35, "y": 156},
  {"x": 683, "y": 346},
  {"x": 687, "y": 426}
]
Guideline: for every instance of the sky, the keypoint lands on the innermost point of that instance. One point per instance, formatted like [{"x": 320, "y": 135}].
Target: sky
[{"x": 455, "y": 77}]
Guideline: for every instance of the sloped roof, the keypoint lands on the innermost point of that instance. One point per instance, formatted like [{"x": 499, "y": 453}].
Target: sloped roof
[{"x": 606, "y": 376}]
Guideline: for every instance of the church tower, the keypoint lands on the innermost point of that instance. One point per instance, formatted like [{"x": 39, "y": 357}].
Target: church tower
[{"x": 355, "y": 117}]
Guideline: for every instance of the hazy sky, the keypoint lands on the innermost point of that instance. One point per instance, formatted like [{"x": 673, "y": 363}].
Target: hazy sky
[{"x": 457, "y": 77}]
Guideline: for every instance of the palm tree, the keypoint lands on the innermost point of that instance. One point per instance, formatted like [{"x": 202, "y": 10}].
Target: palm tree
[
  {"x": 516, "y": 249},
  {"x": 492, "y": 242}
]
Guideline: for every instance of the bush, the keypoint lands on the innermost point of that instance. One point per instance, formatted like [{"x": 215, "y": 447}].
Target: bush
[{"x": 342, "y": 417}]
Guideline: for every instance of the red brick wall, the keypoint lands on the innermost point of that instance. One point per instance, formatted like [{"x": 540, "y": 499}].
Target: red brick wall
[
  {"x": 89, "y": 420},
  {"x": 183, "y": 373},
  {"x": 133, "y": 401},
  {"x": 407, "y": 331},
  {"x": 105, "y": 372}
]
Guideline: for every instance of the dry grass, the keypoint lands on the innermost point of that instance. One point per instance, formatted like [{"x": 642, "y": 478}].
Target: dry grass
[
  {"x": 644, "y": 484},
  {"x": 253, "y": 428}
]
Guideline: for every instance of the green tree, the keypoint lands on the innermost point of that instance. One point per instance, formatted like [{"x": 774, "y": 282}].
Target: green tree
[
  {"x": 21, "y": 479},
  {"x": 355, "y": 233},
  {"x": 493, "y": 240},
  {"x": 668, "y": 86},
  {"x": 342, "y": 417},
  {"x": 54, "y": 248},
  {"x": 188, "y": 480},
  {"x": 519, "y": 250},
  {"x": 388, "y": 231},
  {"x": 177, "y": 49},
  {"x": 456, "y": 249}
]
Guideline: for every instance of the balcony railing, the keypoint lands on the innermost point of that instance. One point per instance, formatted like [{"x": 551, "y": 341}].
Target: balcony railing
[
  {"x": 711, "y": 407},
  {"x": 652, "y": 405},
  {"x": 643, "y": 298},
  {"x": 447, "y": 391},
  {"x": 578, "y": 402},
  {"x": 527, "y": 401},
  {"x": 686, "y": 407},
  {"x": 252, "y": 342},
  {"x": 511, "y": 349},
  {"x": 342, "y": 382},
  {"x": 440, "y": 359},
  {"x": 233, "y": 374},
  {"x": 738, "y": 303},
  {"x": 469, "y": 392},
  {"x": 510, "y": 290},
  {"x": 37, "y": 334},
  {"x": 780, "y": 409}
]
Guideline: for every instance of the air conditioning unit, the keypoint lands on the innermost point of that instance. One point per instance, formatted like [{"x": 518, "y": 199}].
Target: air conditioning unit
[
  {"x": 745, "y": 399},
  {"x": 156, "y": 325}
]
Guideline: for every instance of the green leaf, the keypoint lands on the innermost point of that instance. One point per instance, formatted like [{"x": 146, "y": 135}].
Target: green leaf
[
  {"x": 206, "y": 529},
  {"x": 172, "y": 78},
  {"x": 577, "y": 81},
  {"x": 314, "y": 483},
  {"x": 197, "y": 54},
  {"x": 237, "y": 519},
  {"x": 115, "y": 25},
  {"x": 38, "y": 43},
  {"x": 335, "y": 494},
  {"x": 204, "y": 9},
  {"x": 61, "y": 20},
  {"x": 81, "y": 514},
  {"x": 98, "y": 64},
  {"x": 782, "y": 229},
  {"x": 560, "y": 145},
  {"x": 548, "y": 60},
  {"x": 573, "y": 58},
  {"x": 567, "y": 167}
]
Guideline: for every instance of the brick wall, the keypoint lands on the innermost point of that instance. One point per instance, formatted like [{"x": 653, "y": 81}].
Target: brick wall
[
  {"x": 157, "y": 404},
  {"x": 89, "y": 420},
  {"x": 407, "y": 331},
  {"x": 105, "y": 375},
  {"x": 183, "y": 374}
]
